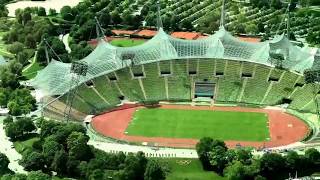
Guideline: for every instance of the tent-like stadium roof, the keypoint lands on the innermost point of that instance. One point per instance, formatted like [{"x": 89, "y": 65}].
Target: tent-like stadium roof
[
  {"x": 2, "y": 60},
  {"x": 56, "y": 78}
]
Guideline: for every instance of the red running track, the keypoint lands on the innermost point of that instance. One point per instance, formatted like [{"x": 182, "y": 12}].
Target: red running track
[{"x": 284, "y": 128}]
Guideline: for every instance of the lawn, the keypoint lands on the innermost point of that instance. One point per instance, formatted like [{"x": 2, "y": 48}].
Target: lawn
[
  {"x": 223, "y": 125},
  {"x": 126, "y": 42},
  {"x": 191, "y": 169},
  {"x": 31, "y": 71},
  {"x": 23, "y": 146},
  {"x": 3, "y": 47}
]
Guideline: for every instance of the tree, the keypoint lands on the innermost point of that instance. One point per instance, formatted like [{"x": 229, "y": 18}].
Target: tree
[
  {"x": 251, "y": 29},
  {"x": 59, "y": 162},
  {"x": 66, "y": 13},
  {"x": 7, "y": 120},
  {"x": 15, "y": 177},
  {"x": 313, "y": 155},
  {"x": 293, "y": 161},
  {"x": 26, "y": 17},
  {"x": 77, "y": 146},
  {"x": 33, "y": 161},
  {"x": 217, "y": 158},
  {"x": 30, "y": 41},
  {"x": 4, "y": 162},
  {"x": 52, "y": 12},
  {"x": 115, "y": 17},
  {"x": 4, "y": 96},
  {"x": 154, "y": 171},
  {"x": 235, "y": 171},
  {"x": 3, "y": 11},
  {"x": 272, "y": 164},
  {"x": 19, "y": 128},
  {"x": 15, "y": 48},
  {"x": 186, "y": 24},
  {"x": 37, "y": 175},
  {"x": 12, "y": 131},
  {"x": 276, "y": 4},
  {"x": 49, "y": 149},
  {"x": 104, "y": 18},
  {"x": 97, "y": 174},
  {"x": 203, "y": 148},
  {"x": 134, "y": 167},
  {"x": 22, "y": 57},
  {"x": 41, "y": 11}
]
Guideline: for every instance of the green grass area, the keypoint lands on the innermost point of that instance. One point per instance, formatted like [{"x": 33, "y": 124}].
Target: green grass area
[
  {"x": 126, "y": 42},
  {"x": 191, "y": 169},
  {"x": 223, "y": 125},
  {"x": 31, "y": 71},
  {"x": 26, "y": 145},
  {"x": 3, "y": 47}
]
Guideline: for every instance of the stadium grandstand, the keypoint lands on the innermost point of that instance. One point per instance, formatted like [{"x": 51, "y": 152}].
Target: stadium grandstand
[{"x": 220, "y": 68}]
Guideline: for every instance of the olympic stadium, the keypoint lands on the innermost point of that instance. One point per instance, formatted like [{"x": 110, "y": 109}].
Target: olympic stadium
[{"x": 171, "y": 92}]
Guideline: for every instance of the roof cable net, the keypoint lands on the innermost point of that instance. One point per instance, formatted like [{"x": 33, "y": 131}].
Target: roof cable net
[{"x": 56, "y": 78}]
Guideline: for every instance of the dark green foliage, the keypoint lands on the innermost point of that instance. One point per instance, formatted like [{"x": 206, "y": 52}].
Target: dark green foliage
[
  {"x": 19, "y": 128},
  {"x": 59, "y": 162},
  {"x": 77, "y": 146},
  {"x": 272, "y": 164},
  {"x": 4, "y": 162},
  {"x": 313, "y": 156},
  {"x": 154, "y": 171},
  {"x": 33, "y": 161},
  {"x": 311, "y": 76},
  {"x": 203, "y": 148},
  {"x": 41, "y": 11},
  {"x": 239, "y": 163},
  {"x": 21, "y": 102},
  {"x": 66, "y": 13},
  {"x": 63, "y": 148},
  {"x": 15, "y": 48},
  {"x": 7, "y": 120}
]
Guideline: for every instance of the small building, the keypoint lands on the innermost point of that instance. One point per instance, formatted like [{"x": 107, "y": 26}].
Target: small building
[
  {"x": 186, "y": 35},
  {"x": 146, "y": 33}
]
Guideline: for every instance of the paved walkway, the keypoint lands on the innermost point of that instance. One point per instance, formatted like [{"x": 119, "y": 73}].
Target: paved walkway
[
  {"x": 112, "y": 147},
  {"x": 149, "y": 151},
  {"x": 65, "y": 40},
  {"x": 11, "y": 153}
]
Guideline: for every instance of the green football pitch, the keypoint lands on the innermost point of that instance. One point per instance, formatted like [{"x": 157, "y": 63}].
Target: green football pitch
[
  {"x": 223, "y": 125},
  {"x": 126, "y": 42}
]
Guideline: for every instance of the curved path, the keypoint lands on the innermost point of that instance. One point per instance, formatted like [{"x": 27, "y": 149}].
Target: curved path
[
  {"x": 11, "y": 153},
  {"x": 284, "y": 128}
]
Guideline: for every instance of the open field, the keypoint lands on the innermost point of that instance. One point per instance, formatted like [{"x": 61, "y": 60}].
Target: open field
[
  {"x": 3, "y": 47},
  {"x": 283, "y": 128},
  {"x": 32, "y": 70},
  {"x": 23, "y": 146},
  {"x": 191, "y": 169},
  {"x": 126, "y": 42},
  {"x": 175, "y": 123}
]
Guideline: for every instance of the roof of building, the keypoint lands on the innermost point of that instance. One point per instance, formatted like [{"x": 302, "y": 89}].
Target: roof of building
[
  {"x": 146, "y": 33},
  {"x": 55, "y": 79},
  {"x": 249, "y": 39},
  {"x": 186, "y": 35},
  {"x": 123, "y": 32}
]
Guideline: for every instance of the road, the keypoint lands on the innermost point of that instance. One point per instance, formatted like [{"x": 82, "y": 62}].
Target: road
[{"x": 65, "y": 40}]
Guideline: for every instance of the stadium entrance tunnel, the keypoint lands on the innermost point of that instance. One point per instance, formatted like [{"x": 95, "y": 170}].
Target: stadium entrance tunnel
[{"x": 204, "y": 89}]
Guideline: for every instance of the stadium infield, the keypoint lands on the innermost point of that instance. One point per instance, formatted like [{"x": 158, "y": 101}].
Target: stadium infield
[
  {"x": 283, "y": 128},
  {"x": 179, "y": 123}
]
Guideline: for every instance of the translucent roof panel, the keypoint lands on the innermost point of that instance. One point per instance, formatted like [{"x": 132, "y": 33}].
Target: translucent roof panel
[
  {"x": 56, "y": 78},
  {"x": 2, "y": 60}
]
